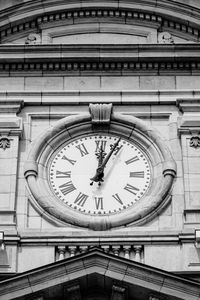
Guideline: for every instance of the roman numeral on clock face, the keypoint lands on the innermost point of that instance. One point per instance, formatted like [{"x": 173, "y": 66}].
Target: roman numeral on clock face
[
  {"x": 131, "y": 160},
  {"x": 116, "y": 197},
  {"x": 139, "y": 174},
  {"x": 99, "y": 202},
  {"x": 67, "y": 188},
  {"x": 60, "y": 174},
  {"x": 82, "y": 149},
  {"x": 100, "y": 145},
  {"x": 71, "y": 161},
  {"x": 81, "y": 199},
  {"x": 130, "y": 188}
]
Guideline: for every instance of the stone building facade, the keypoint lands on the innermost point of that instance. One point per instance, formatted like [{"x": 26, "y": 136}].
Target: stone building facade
[{"x": 70, "y": 70}]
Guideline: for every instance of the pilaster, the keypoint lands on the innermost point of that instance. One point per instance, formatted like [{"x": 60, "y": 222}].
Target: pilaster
[
  {"x": 189, "y": 132},
  {"x": 10, "y": 132}
]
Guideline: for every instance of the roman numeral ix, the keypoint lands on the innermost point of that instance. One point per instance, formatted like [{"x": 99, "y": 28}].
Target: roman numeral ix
[{"x": 60, "y": 174}]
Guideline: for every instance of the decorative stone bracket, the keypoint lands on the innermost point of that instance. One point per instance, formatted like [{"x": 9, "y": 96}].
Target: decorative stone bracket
[
  {"x": 100, "y": 113},
  {"x": 189, "y": 122},
  {"x": 10, "y": 124}
]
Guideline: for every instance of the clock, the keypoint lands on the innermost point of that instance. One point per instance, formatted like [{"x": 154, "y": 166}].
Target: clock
[
  {"x": 100, "y": 170},
  {"x": 76, "y": 178}
]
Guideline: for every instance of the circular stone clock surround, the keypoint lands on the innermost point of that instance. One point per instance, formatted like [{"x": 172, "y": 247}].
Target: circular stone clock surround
[{"x": 126, "y": 127}]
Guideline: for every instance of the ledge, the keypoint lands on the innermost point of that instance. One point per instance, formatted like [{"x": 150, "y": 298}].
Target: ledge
[{"x": 101, "y": 58}]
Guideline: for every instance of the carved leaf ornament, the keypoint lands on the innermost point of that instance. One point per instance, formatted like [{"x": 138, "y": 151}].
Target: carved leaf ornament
[{"x": 4, "y": 142}]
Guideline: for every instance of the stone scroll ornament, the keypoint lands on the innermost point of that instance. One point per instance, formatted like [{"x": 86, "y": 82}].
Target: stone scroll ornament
[
  {"x": 33, "y": 39},
  {"x": 100, "y": 170},
  {"x": 165, "y": 38}
]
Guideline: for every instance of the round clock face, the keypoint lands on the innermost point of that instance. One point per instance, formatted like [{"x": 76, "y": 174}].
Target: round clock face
[{"x": 99, "y": 174}]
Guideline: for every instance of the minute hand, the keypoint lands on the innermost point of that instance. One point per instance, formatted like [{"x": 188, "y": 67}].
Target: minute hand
[
  {"x": 102, "y": 166},
  {"x": 98, "y": 177}
]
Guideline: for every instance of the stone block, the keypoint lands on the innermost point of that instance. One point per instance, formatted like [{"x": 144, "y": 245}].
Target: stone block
[
  {"x": 179, "y": 171},
  {"x": 21, "y": 187},
  {"x": 8, "y": 166},
  {"x": 194, "y": 165},
  {"x": 194, "y": 199},
  {"x": 165, "y": 222},
  {"x": 137, "y": 96},
  {"x": 31, "y": 211},
  {"x": 167, "y": 257},
  {"x": 178, "y": 188},
  {"x": 157, "y": 82},
  {"x": 194, "y": 183},
  {"x": 21, "y": 204},
  {"x": 12, "y": 84},
  {"x": 38, "y": 127},
  {"x": 173, "y": 130},
  {"x": 34, "y": 222},
  {"x": 40, "y": 255},
  {"x": 45, "y": 225},
  {"x": 186, "y": 82},
  {"x": 43, "y": 83},
  {"x": 120, "y": 83},
  {"x": 5, "y": 186},
  {"x": 82, "y": 83},
  {"x": 192, "y": 151},
  {"x": 176, "y": 149},
  {"x": 87, "y": 97},
  {"x": 178, "y": 203},
  {"x": 4, "y": 201}
]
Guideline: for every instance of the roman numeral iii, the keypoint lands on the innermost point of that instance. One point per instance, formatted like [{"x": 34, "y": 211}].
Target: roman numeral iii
[{"x": 139, "y": 174}]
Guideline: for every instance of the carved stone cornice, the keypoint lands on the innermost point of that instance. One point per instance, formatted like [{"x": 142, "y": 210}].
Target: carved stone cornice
[
  {"x": 100, "y": 58},
  {"x": 126, "y": 15}
]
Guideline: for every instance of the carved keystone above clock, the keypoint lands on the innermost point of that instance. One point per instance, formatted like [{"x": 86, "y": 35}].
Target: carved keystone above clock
[{"x": 100, "y": 170}]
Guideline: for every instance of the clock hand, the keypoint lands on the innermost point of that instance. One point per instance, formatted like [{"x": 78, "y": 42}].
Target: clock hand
[
  {"x": 100, "y": 155},
  {"x": 98, "y": 177}
]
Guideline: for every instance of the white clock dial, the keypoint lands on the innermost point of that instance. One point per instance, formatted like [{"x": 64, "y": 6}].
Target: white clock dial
[{"x": 76, "y": 180}]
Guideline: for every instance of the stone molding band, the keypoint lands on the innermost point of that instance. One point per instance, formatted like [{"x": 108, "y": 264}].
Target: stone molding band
[{"x": 101, "y": 58}]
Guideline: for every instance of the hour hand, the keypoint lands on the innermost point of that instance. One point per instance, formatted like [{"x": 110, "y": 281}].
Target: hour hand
[{"x": 98, "y": 177}]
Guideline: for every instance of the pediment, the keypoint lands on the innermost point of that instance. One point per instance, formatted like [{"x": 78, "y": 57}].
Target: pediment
[
  {"x": 98, "y": 275},
  {"x": 89, "y": 23}
]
